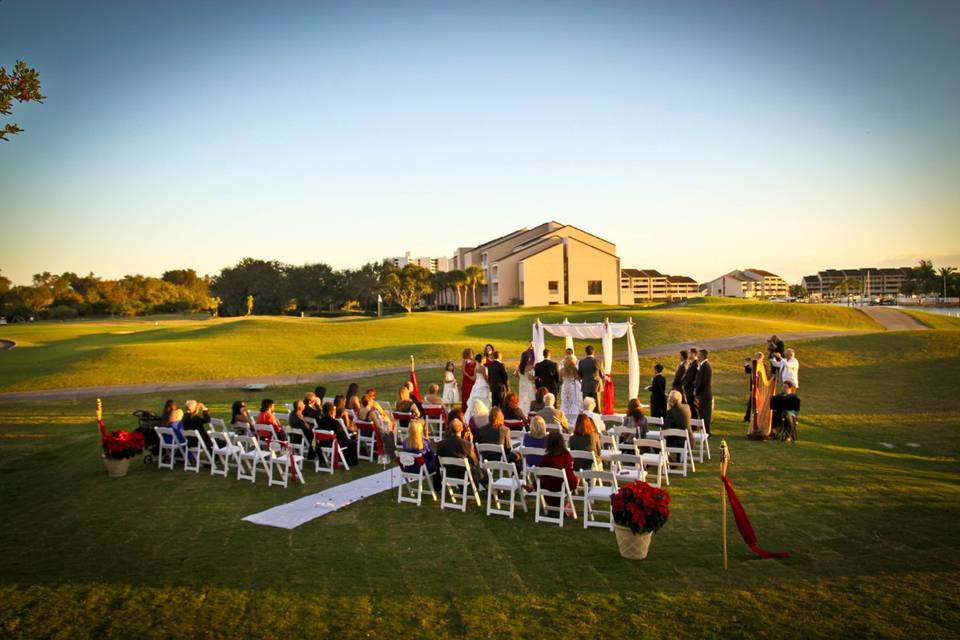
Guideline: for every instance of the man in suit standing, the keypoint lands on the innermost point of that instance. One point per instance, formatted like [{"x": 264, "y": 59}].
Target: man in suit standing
[
  {"x": 547, "y": 373},
  {"x": 591, "y": 373},
  {"x": 681, "y": 370},
  {"x": 703, "y": 389},
  {"x": 658, "y": 392},
  {"x": 499, "y": 381},
  {"x": 689, "y": 382}
]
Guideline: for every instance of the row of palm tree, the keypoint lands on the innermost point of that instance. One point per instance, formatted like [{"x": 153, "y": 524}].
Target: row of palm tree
[{"x": 446, "y": 284}]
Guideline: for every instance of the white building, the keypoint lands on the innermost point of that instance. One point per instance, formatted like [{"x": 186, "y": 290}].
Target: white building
[
  {"x": 749, "y": 283},
  {"x": 432, "y": 264}
]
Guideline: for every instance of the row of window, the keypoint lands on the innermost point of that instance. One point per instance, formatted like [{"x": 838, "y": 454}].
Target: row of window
[{"x": 594, "y": 287}]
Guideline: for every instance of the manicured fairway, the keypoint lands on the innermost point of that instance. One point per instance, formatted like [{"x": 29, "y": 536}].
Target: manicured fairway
[
  {"x": 79, "y": 354},
  {"x": 873, "y": 532}
]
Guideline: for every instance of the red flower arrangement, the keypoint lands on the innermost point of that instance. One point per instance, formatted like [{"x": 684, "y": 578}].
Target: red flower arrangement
[
  {"x": 641, "y": 507},
  {"x": 120, "y": 444}
]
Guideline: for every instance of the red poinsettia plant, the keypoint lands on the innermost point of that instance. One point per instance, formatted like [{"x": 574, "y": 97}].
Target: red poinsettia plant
[
  {"x": 118, "y": 444},
  {"x": 641, "y": 507}
]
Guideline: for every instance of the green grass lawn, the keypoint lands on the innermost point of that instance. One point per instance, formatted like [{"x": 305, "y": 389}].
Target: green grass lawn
[
  {"x": 78, "y": 354},
  {"x": 873, "y": 531}
]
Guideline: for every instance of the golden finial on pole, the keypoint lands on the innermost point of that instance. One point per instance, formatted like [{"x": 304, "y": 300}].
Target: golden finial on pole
[
  {"x": 412, "y": 363},
  {"x": 99, "y": 410},
  {"x": 724, "y": 462}
]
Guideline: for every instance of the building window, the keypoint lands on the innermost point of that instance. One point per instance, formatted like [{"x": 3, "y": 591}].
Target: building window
[
  {"x": 554, "y": 286},
  {"x": 595, "y": 287}
]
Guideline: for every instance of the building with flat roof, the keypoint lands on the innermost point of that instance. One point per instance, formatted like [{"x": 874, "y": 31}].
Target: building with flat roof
[
  {"x": 552, "y": 263},
  {"x": 646, "y": 285},
  {"x": 868, "y": 281},
  {"x": 432, "y": 264},
  {"x": 748, "y": 283}
]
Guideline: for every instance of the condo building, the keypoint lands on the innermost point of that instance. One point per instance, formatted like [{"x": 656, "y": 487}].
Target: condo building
[{"x": 748, "y": 283}]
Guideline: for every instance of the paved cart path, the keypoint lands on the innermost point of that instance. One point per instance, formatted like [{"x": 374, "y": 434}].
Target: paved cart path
[{"x": 894, "y": 319}]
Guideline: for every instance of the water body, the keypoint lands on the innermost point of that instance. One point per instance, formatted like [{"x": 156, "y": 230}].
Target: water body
[{"x": 953, "y": 312}]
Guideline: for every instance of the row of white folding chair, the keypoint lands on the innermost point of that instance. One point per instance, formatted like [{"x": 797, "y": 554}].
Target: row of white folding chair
[
  {"x": 278, "y": 460},
  {"x": 408, "y": 478},
  {"x": 433, "y": 416}
]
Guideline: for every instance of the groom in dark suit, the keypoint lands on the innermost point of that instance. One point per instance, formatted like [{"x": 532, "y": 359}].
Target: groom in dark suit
[
  {"x": 499, "y": 381},
  {"x": 703, "y": 389},
  {"x": 591, "y": 373},
  {"x": 547, "y": 373}
]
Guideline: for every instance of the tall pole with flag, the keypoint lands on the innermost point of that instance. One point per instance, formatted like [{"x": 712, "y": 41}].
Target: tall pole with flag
[{"x": 724, "y": 461}]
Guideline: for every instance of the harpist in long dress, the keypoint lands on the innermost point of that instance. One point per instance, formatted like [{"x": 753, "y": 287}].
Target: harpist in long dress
[
  {"x": 480, "y": 390},
  {"x": 761, "y": 393},
  {"x": 571, "y": 397}
]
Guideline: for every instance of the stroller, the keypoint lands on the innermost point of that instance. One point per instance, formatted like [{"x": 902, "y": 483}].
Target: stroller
[{"x": 147, "y": 421}]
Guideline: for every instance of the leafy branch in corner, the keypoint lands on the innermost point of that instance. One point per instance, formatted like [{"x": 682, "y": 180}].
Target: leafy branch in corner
[{"x": 23, "y": 85}]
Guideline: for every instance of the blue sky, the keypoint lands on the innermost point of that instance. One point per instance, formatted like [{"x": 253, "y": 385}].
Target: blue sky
[{"x": 699, "y": 137}]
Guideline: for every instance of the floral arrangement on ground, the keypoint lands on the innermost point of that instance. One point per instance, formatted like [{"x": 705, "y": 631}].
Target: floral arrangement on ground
[{"x": 641, "y": 507}]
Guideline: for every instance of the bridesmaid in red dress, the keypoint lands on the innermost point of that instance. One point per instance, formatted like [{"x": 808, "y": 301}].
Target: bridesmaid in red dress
[{"x": 469, "y": 376}]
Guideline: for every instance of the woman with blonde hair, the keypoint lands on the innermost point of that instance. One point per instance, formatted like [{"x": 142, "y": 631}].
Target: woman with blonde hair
[
  {"x": 536, "y": 438},
  {"x": 677, "y": 417},
  {"x": 479, "y": 415},
  {"x": 416, "y": 444},
  {"x": 570, "y": 394}
]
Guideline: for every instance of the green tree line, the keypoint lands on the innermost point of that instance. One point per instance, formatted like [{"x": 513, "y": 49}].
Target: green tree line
[{"x": 263, "y": 287}]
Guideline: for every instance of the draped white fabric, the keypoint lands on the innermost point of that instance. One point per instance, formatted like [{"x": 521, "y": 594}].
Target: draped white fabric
[{"x": 606, "y": 332}]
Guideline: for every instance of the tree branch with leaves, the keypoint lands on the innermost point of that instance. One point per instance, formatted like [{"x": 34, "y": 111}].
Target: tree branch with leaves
[{"x": 22, "y": 85}]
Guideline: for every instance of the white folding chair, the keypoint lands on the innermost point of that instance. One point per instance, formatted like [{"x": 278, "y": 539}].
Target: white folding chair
[
  {"x": 195, "y": 452},
  {"x": 564, "y": 495},
  {"x": 218, "y": 424},
  {"x": 366, "y": 437},
  {"x": 654, "y": 422},
  {"x": 526, "y": 453},
  {"x": 456, "y": 487},
  {"x": 170, "y": 448},
  {"x": 283, "y": 464},
  {"x": 385, "y": 405},
  {"x": 685, "y": 452},
  {"x": 502, "y": 476},
  {"x": 328, "y": 457},
  {"x": 249, "y": 457},
  {"x": 517, "y": 430},
  {"x": 588, "y": 458},
  {"x": 434, "y": 417},
  {"x": 608, "y": 447},
  {"x": 297, "y": 440},
  {"x": 405, "y": 459},
  {"x": 613, "y": 419},
  {"x": 553, "y": 426},
  {"x": 223, "y": 451},
  {"x": 491, "y": 452},
  {"x": 701, "y": 439},
  {"x": 598, "y": 486},
  {"x": 628, "y": 467},
  {"x": 657, "y": 458}
]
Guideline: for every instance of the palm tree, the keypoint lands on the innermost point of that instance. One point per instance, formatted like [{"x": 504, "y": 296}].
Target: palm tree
[
  {"x": 475, "y": 276},
  {"x": 458, "y": 280},
  {"x": 439, "y": 285},
  {"x": 944, "y": 273}
]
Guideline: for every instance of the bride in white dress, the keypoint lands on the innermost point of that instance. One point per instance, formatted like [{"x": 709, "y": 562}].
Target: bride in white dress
[
  {"x": 526, "y": 387},
  {"x": 571, "y": 397},
  {"x": 481, "y": 391}
]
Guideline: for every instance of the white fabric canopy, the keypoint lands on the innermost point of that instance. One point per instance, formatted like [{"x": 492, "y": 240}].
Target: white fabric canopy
[{"x": 606, "y": 332}]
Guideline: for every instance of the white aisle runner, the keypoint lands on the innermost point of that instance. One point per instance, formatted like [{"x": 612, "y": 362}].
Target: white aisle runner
[{"x": 293, "y": 514}]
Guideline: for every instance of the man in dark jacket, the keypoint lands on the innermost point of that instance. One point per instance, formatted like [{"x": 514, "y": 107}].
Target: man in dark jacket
[
  {"x": 689, "y": 382},
  {"x": 454, "y": 446},
  {"x": 498, "y": 379},
  {"x": 658, "y": 392},
  {"x": 703, "y": 389},
  {"x": 547, "y": 373}
]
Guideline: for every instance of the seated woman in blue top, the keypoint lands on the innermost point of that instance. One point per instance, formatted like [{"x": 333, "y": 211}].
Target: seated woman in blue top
[
  {"x": 536, "y": 437},
  {"x": 415, "y": 443}
]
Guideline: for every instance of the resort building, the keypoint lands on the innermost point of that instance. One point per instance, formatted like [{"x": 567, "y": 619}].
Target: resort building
[
  {"x": 432, "y": 264},
  {"x": 646, "y": 285},
  {"x": 749, "y": 283},
  {"x": 868, "y": 281},
  {"x": 552, "y": 263}
]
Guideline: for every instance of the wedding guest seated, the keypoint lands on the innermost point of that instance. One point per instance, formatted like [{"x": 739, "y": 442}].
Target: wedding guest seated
[
  {"x": 267, "y": 417},
  {"x": 413, "y": 396},
  {"x": 480, "y": 417},
  {"x": 173, "y": 418},
  {"x": 405, "y": 403},
  {"x": 677, "y": 417},
  {"x": 512, "y": 409},
  {"x": 296, "y": 421},
  {"x": 551, "y": 414},
  {"x": 536, "y": 437},
  {"x": 558, "y": 457},
  {"x": 454, "y": 446},
  {"x": 197, "y": 417},
  {"x": 312, "y": 406},
  {"x": 328, "y": 422},
  {"x": 457, "y": 414},
  {"x": 415, "y": 443},
  {"x": 786, "y": 408},
  {"x": 537, "y": 404},
  {"x": 353, "y": 398},
  {"x": 433, "y": 394},
  {"x": 371, "y": 411},
  {"x": 341, "y": 413},
  {"x": 321, "y": 392},
  {"x": 635, "y": 420},
  {"x": 495, "y": 432},
  {"x": 584, "y": 438},
  {"x": 240, "y": 419},
  {"x": 589, "y": 408}
]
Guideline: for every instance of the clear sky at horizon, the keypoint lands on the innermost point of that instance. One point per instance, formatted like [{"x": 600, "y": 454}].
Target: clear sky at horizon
[{"x": 698, "y": 136}]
